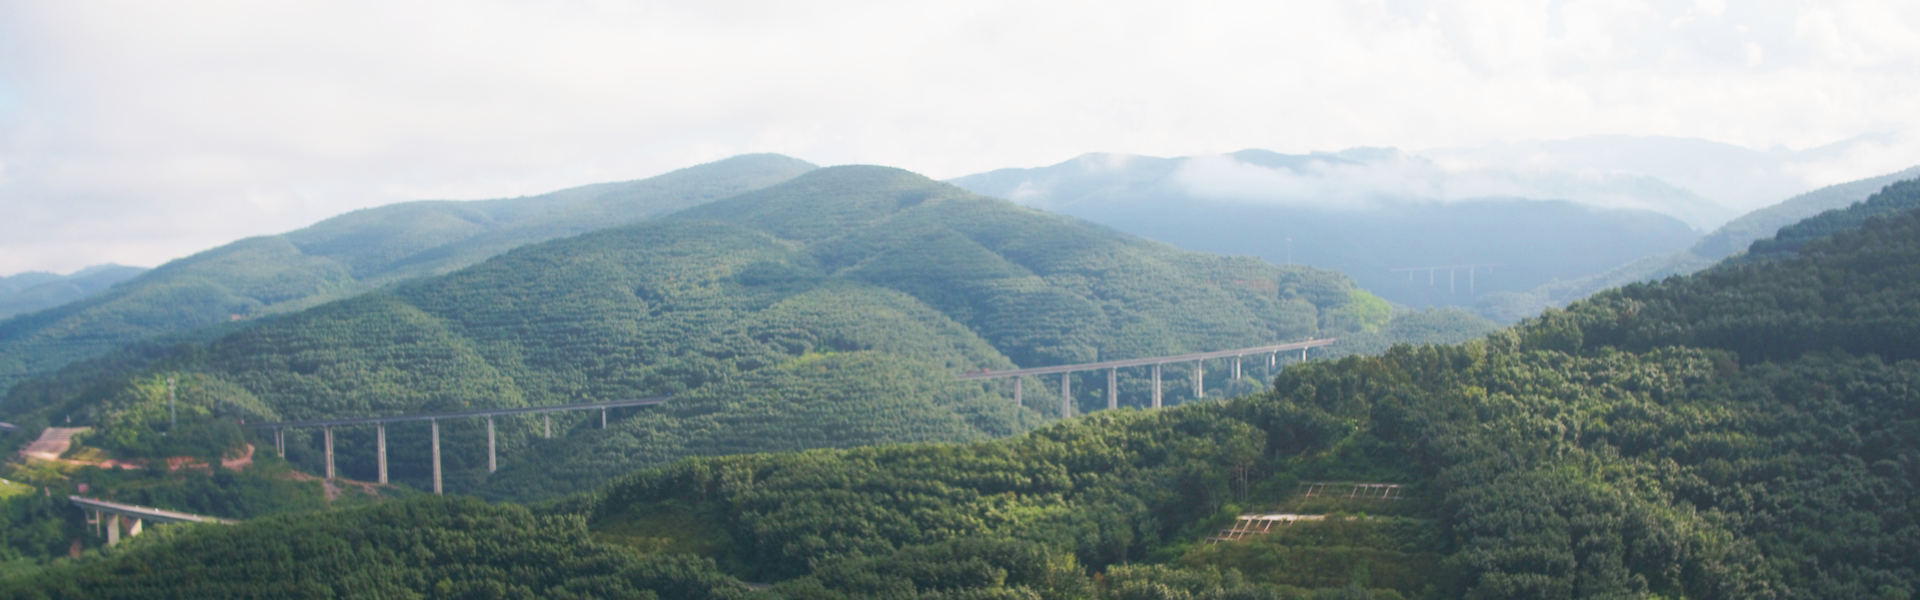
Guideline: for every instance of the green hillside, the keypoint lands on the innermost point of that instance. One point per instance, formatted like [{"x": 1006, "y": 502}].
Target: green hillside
[
  {"x": 1579, "y": 455},
  {"x": 351, "y": 254},
  {"x": 1851, "y": 293},
  {"x": 828, "y": 311}
]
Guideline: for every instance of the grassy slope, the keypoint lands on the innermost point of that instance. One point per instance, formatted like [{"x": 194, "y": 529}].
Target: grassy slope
[{"x": 346, "y": 255}]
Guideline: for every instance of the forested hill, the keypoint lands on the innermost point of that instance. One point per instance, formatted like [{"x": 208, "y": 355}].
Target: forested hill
[
  {"x": 350, "y": 254},
  {"x": 1558, "y": 459},
  {"x": 830, "y": 310},
  {"x": 1846, "y": 280},
  {"x": 1733, "y": 238}
]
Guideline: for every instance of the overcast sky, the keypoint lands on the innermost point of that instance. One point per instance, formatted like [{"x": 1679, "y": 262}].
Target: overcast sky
[{"x": 139, "y": 132}]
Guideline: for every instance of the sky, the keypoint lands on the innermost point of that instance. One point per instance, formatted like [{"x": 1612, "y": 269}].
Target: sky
[{"x": 140, "y": 132}]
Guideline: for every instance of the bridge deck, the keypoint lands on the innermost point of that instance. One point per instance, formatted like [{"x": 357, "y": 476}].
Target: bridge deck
[
  {"x": 484, "y": 412},
  {"x": 1139, "y": 362},
  {"x": 148, "y": 513}
]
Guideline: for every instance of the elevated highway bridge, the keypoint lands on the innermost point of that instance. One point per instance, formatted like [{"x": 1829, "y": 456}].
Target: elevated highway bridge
[{"x": 1112, "y": 367}]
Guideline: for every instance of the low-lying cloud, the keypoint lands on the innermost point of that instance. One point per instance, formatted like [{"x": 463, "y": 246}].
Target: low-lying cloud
[{"x": 1383, "y": 177}]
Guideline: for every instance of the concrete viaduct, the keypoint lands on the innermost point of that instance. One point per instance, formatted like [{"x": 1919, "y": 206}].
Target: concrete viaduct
[
  {"x": 108, "y": 514},
  {"x": 1112, "y": 367},
  {"x": 1066, "y": 405},
  {"x": 380, "y": 425}
]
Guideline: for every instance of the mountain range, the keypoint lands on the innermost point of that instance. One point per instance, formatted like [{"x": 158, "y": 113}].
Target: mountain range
[
  {"x": 1430, "y": 239},
  {"x": 779, "y": 319},
  {"x": 1745, "y": 431}
]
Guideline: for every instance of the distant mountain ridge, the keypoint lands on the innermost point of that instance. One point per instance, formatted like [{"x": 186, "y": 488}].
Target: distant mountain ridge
[
  {"x": 350, "y": 254},
  {"x": 1751, "y": 230},
  {"x": 36, "y": 290},
  {"x": 1375, "y": 214}
]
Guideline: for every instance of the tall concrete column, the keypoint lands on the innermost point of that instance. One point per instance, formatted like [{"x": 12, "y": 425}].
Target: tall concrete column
[
  {"x": 1199, "y": 380},
  {"x": 436, "y": 454},
  {"x": 1273, "y": 360},
  {"x": 280, "y": 441},
  {"x": 1156, "y": 386},
  {"x": 328, "y": 430},
  {"x": 1113, "y": 389},
  {"x": 1236, "y": 368},
  {"x": 113, "y": 529},
  {"x": 603, "y": 418},
  {"x": 1016, "y": 390},
  {"x": 380, "y": 445},
  {"x": 135, "y": 529},
  {"x": 491, "y": 464},
  {"x": 1066, "y": 395},
  {"x": 548, "y": 419}
]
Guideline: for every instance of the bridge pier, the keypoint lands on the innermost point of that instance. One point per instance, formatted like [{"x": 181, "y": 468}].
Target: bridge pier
[
  {"x": 491, "y": 465},
  {"x": 1199, "y": 380},
  {"x": 134, "y": 529},
  {"x": 603, "y": 418},
  {"x": 1156, "y": 386},
  {"x": 1066, "y": 395},
  {"x": 547, "y": 418},
  {"x": 380, "y": 442},
  {"x": 113, "y": 529},
  {"x": 436, "y": 454},
  {"x": 280, "y": 441},
  {"x": 1113, "y": 389},
  {"x": 328, "y": 431},
  {"x": 1236, "y": 368}
]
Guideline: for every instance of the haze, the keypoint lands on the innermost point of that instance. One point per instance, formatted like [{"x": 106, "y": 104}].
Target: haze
[{"x": 140, "y": 132}]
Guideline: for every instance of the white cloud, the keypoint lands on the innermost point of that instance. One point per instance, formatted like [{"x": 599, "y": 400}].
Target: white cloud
[
  {"x": 1369, "y": 179},
  {"x": 138, "y": 132}
]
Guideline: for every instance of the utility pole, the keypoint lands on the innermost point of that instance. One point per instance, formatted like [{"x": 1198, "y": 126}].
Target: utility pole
[{"x": 173, "y": 417}]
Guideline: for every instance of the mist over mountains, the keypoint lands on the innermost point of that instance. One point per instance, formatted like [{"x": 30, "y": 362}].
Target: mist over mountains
[
  {"x": 1365, "y": 213},
  {"x": 1452, "y": 226}
]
